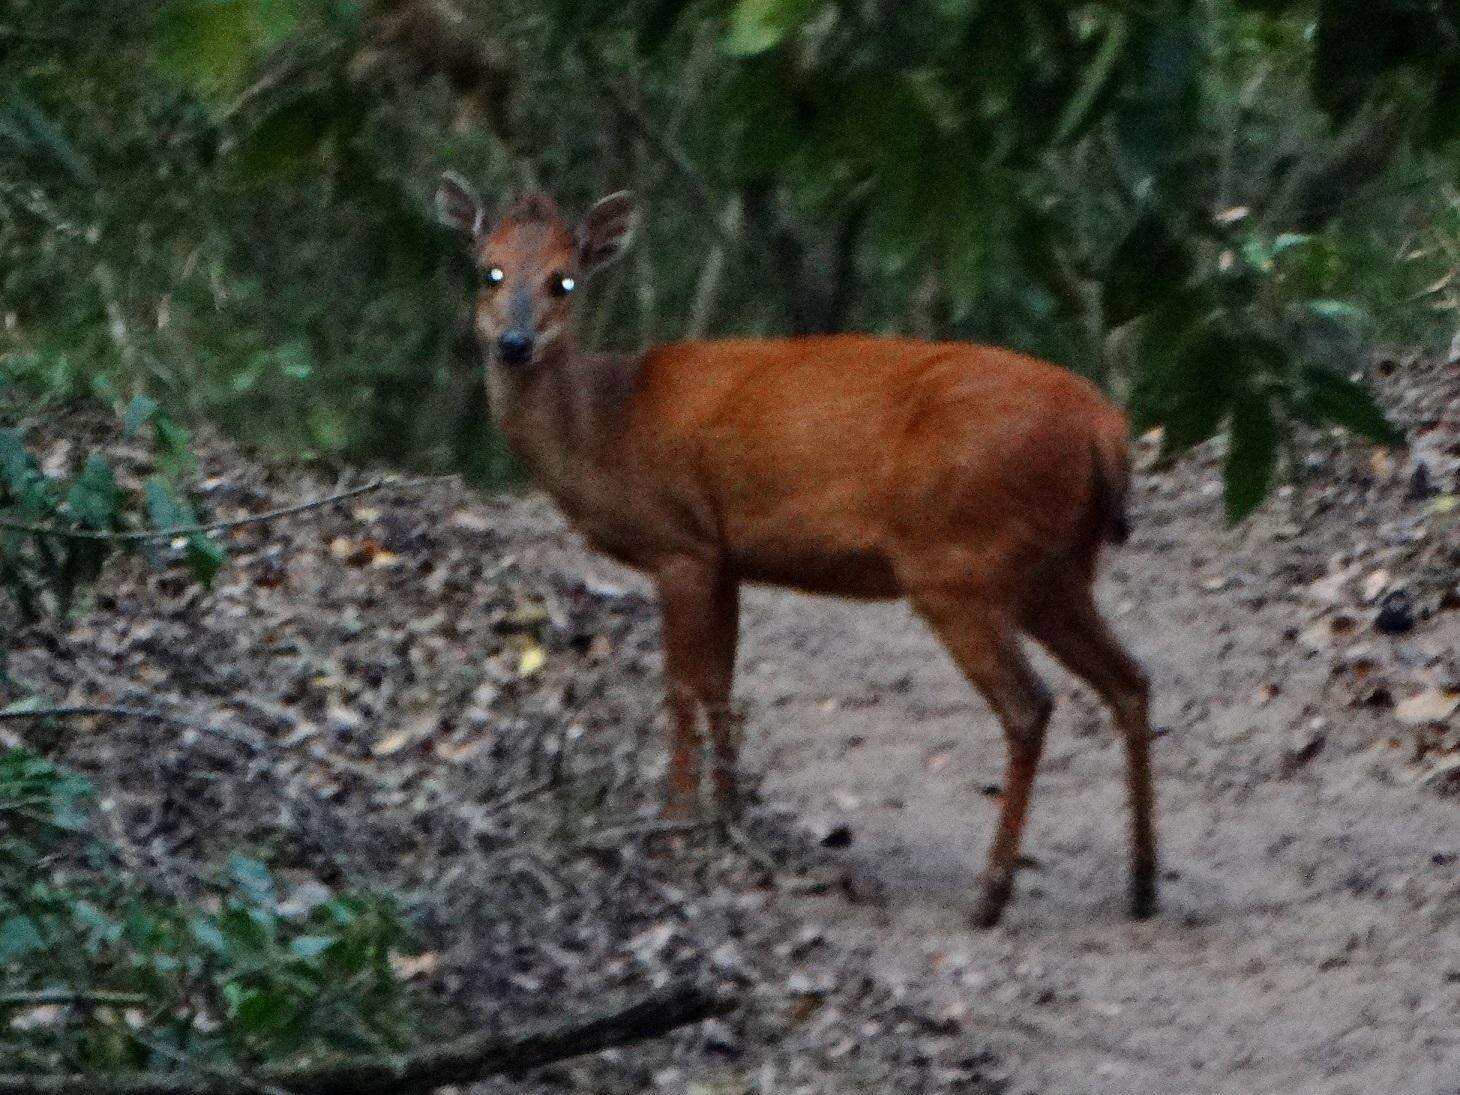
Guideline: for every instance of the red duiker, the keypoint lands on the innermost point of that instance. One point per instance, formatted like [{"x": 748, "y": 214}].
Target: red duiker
[{"x": 978, "y": 483}]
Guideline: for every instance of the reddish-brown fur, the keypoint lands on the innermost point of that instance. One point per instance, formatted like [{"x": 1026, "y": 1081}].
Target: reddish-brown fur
[{"x": 976, "y": 482}]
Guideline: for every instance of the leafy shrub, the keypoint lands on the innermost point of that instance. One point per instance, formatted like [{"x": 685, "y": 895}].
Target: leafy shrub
[
  {"x": 248, "y": 975},
  {"x": 93, "y": 516},
  {"x": 244, "y": 232}
]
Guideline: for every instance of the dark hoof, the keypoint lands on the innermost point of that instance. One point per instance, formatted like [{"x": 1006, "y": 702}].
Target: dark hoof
[
  {"x": 729, "y": 806},
  {"x": 991, "y": 902},
  {"x": 678, "y": 809},
  {"x": 1143, "y": 903}
]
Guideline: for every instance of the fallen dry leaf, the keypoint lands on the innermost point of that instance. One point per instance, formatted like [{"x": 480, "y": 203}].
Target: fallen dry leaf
[
  {"x": 392, "y": 743},
  {"x": 407, "y": 966},
  {"x": 418, "y": 729},
  {"x": 1374, "y": 585},
  {"x": 469, "y": 522},
  {"x": 42, "y": 1015},
  {"x": 533, "y": 659},
  {"x": 1431, "y": 705},
  {"x": 461, "y": 752},
  {"x": 357, "y": 553},
  {"x": 938, "y": 759}
]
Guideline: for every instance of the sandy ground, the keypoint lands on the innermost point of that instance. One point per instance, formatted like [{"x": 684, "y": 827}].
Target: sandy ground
[
  {"x": 1307, "y": 770},
  {"x": 1309, "y": 939}
]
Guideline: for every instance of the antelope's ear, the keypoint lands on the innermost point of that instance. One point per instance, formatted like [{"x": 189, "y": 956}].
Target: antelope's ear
[
  {"x": 458, "y": 206},
  {"x": 607, "y": 229}
]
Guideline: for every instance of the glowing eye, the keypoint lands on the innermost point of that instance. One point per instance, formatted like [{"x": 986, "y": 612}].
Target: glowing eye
[
  {"x": 563, "y": 285},
  {"x": 495, "y": 275}
]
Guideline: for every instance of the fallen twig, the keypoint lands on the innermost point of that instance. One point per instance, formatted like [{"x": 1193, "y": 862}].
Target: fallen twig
[
  {"x": 94, "y": 998},
  {"x": 121, "y": 711},
  {"x": 750, "y": 849},
  {"x": 215, "y": 526},
  {"x": 632, "y": 830},
  {"x": 657, "y": 137},
  {"x": 519, "y": 796},
  {"x": 466, "y": 1059}
]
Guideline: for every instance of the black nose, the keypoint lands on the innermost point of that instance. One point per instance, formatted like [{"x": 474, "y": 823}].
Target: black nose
[{"x": 514, "y": 347}]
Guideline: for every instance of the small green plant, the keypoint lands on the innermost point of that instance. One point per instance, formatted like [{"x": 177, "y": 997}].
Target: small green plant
[
  {"x": 1234, "y": 340},
  {"x": 248, "y": 975},
  {"x": 58, "y": 533}
]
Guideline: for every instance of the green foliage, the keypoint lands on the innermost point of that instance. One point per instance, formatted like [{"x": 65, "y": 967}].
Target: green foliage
[
  {"x": 1251, "y": 453},
  {"x": 1031, "y": 174},
  {"x": 44, "y": 572},
  {"x": 1329, "y": 396},
  {"x": 249, "y": 976},
  {"x": 1150, "y": 265},
  {"x": 760, "y": 25}
]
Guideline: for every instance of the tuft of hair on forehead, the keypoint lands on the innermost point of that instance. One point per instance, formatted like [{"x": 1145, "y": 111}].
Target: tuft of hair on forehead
[{"x": 535, "y": 208}]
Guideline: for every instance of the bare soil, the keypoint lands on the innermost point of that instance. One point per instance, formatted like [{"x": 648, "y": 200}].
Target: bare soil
[
  {"x": 1309, "y": 939},
  {"x": 411, "y": 664}
]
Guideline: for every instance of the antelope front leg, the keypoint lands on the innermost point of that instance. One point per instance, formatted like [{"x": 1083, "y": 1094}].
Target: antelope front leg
[{"x": 699, "y": 605}]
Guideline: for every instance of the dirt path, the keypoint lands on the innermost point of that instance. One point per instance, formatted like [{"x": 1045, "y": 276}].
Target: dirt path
[
  {"x": 1309, "y": 942},
  {"x": 1310, "y": 933}
]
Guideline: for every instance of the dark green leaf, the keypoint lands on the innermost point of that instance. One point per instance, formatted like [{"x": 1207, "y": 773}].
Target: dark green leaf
[
  {"x": 253, "y": 877},
  {"x": 205, "y": 557},
  {"x": 95, "y": 499},
  {"x": 209, "y": 43},
  {"x": 1150, "y": 265},
  {"x": 760, "y": 25},
  {"x": 95, "y": 922},
  {"x": 1252, "y": 455},
  {"x": 173, "y": 445},
  {"x": 165, "y": 508},
  {"x": 261, "y": 1012},
  {"x": 1443, "y": 122},
  {"x": 657, "y": 23},
  {"x": 51, "y": 138},
  {"x": 1185, "y": 385},
  {"x": 1334, "y": 398},
  {"x": 205, "y": 930},
  {"x": 1188, "y": 424},
  {"x": 19, "y": 937},
  {"x": 16, "y": 465},
  {"x": 1156, "y": 115},
  {"x": 1095, "y": 85},
  {"x": 1166, "y": 367},
  {"x": 1357, "y": 42},
  {"x": 290, "y": 133},
  {"x": 246, "y": 929},
  {"x": 138, "y": 413}
]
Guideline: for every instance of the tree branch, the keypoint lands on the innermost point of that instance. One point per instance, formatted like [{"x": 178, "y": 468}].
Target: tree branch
[
  {"x": 711, "y": 274},
  {"x": 214, "y": 526},
  {"x": 466, "y": 1059},
  {"x": 94, "y": 998},
  {"x": 1343, "y": 172},
  {"x": 657, "y": 139}
]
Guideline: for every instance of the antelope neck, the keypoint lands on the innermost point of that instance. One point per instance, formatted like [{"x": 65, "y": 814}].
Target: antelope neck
[{"x": 565, "y": 407}]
